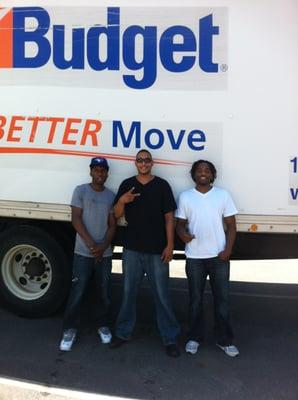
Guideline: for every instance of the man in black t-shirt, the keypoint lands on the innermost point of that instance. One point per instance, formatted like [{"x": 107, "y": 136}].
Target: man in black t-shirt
[{"x": 148, "y": 204}]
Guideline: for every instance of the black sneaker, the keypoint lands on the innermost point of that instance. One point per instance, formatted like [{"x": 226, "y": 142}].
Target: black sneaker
[
  {"x": 116, "y": 342},
  {"x": 172, "y": 350}
]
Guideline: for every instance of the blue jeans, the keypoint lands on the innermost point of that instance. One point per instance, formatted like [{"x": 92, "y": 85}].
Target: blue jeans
[
  {"x": 197, "y": 271},
  {"x": 135, "y": 265},
  {"x": 83, "y": 268}
]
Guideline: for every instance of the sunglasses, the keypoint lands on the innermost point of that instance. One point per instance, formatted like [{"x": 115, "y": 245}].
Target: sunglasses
[{"x": 146, "y": 160}]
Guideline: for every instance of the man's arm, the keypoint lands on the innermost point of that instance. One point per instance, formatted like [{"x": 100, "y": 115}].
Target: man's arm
[
  {"x": 119, "y": 208},
  {"x": 77, "y": 223},
  {"x": 230, "y": 238},
  {"x": 126, "y": 198},
  {"x": 167, "y": 253},
  {"x": 182, "y": 232},
  {"x": 111, "y": 229},
  {"x": 99, "y": 249}
]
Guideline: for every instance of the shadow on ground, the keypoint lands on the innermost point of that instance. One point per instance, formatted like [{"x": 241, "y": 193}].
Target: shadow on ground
[{"x": 265, "y": 324}]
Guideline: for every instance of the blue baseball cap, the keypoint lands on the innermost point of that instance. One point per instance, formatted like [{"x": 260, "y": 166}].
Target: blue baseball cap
[{"x": 99, "y": 162}]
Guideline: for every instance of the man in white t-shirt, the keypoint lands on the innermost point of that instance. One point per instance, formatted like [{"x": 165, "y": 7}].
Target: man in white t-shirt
[{"x": 202, "y": 214}]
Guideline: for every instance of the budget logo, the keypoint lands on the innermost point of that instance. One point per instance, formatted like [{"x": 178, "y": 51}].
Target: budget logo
[{"x": 113, "y": 47}]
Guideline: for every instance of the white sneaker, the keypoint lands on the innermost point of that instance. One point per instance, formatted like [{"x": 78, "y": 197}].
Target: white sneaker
[
  {"x": 192, "y": 346},
  {"x": 105, "y": 334},
  {"x": 230, "y": 350},
  {"x": 69, "y": 336}
]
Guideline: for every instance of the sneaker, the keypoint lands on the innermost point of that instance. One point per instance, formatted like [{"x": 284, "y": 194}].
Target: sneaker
[
  {"x": 230, "y": 350},
  {"x": 117, "y": 342},
  {"x": 172, "y": 350},
  {"x": 105, "y": 334},
  {"x": 69, "y": 336},
  {"x": 192, "y": 346}
]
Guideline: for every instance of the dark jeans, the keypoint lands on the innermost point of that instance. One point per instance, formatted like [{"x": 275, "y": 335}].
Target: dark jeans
[
  {"x": 83, "y": 268},
  {"x": 135, "y": 265},
  {"x": 197, "y": 271}
]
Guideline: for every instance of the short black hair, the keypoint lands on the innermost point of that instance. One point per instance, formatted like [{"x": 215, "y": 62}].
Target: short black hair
[
  {"x": 143, "y": 150},
  {"x": 210, "y": 165}
]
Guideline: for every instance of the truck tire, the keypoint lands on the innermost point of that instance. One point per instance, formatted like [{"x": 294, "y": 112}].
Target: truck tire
[{"x": 34, "y": 271}]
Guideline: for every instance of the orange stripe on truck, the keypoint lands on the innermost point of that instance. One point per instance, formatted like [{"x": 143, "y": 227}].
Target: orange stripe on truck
[
  {"x": 25, "y": 150},
  {"x": 6, "y": 33}
]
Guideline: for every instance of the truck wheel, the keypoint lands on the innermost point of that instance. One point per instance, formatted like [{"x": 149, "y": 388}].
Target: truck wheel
[{"x": 34, "y": 271}]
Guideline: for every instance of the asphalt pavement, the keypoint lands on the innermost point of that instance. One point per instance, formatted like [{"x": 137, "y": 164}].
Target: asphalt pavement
[{"x": 265, "y": 320}]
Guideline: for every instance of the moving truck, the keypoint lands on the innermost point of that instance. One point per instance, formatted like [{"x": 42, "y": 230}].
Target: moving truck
[{"x": 212, "y": 80}]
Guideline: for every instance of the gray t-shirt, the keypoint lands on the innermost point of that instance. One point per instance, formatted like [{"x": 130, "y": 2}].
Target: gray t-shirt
[{"x": 96, "y": 208}]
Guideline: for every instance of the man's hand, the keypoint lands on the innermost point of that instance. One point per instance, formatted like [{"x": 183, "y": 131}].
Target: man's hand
[
  {"x": 128, "y": 197},
  {"x": 182, "y": 231},
  {"x": 186, "y": 237},
  {"x": 97, "y": 251},
  {"x": 224, "y": 255},
  {"x": 230, "y": 238},
  {"x": 167, "y": 254}
]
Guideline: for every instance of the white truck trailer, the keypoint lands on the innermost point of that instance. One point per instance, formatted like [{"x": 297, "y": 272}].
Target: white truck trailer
[{"x": 210, "y": 80}]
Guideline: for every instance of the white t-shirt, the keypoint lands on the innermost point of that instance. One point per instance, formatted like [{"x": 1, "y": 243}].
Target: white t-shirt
[{"x": 204, "y": 213}]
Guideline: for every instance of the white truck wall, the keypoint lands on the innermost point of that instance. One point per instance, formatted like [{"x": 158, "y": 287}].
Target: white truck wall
[{"x": 248, "y": 112}]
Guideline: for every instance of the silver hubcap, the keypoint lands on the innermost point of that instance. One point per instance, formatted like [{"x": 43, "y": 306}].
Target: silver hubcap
[{"x": 26, "y": 272}]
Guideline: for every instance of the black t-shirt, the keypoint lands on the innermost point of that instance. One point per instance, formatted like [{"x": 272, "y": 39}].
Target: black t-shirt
[{"x": 145, "y": 216}]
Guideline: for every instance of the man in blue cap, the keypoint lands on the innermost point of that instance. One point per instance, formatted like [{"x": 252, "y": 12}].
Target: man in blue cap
[{"x": 93, "y": 219}]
